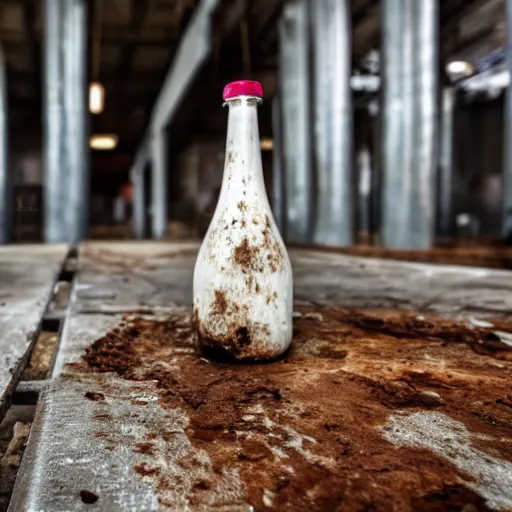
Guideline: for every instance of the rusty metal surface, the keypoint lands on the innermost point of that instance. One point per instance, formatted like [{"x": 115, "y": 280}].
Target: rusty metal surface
[
  {"x": 27, "y": 278},
  {"x": 90, "y": 428}
]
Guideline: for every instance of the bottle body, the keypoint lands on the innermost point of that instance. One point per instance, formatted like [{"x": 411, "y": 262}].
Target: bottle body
[{"x": 243, "y": 285}]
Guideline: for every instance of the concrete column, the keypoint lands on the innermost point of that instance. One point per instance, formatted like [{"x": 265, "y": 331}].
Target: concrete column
[
  {"x": 364, "y": 188},
  {"x": 426, "y": 86},
  {"x": 159, "y": 184},
  {"x": 410, "y": 80},
  {"x": 139, "y": 202},
  {"x": 395, "y": 180},
  {"x": 446, "y": 221},
  {"x": 295, "y": 94},
  {"x": 277, "y": 167},
  {"x": 507, "y": 171},
  {"x": 76, "y": 118},
  {"x": 333, "y": 122},
  {"x": 55, "y": 193},
  {"x": 6, "y": 184},
  {"x": 6, "y": 188}
]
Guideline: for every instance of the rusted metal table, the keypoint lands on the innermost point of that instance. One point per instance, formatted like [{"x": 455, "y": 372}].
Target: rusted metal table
[{"x": 395, "y": 395}]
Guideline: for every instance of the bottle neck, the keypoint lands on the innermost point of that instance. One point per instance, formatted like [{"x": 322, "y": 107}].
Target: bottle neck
[{"x": 243, "y": 171}]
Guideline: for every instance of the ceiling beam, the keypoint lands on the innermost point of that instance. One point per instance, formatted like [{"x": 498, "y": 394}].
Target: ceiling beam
[
  {"x": 29, "y": 21},
  {"x": 139, "y": 12},
  {"x": 364, "y": 10},
  {"x": 471, "y": 42},
  {"x": 467, "y": 8}
]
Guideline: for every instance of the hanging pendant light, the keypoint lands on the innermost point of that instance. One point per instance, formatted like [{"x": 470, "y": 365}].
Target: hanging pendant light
[
  {"x": 96, "y": 89},
  {"x": 96, "y": 98}
]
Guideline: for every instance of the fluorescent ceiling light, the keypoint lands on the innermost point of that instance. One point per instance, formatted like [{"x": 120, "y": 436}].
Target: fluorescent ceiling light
[
  {"x": 459, "y": 67},
  {"x": 96, "y": 98},
  {"x": 267, "y": 144},
  {"x": 103, "y": 141}
]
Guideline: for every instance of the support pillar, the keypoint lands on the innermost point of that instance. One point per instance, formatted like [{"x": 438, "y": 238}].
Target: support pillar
[
  {"x": 277, "y": 170},
  {"x": 446, "y": 163},
  {"x": 139, "y": 203},
  {"x": 76, "y": 118},
  {"x": 410, "y": 50},
  {"x": 507, "y": 171},
  {"x": 159, "y": 159},
  {"x": 55, "y": 193},
  {"x": 364, "y": 189},
  {"x": 333, "y": 122},
  {"x": 296, "y": 121},
  {"x": 6, "y": 184},
  {"x": 425, "y": 147}
]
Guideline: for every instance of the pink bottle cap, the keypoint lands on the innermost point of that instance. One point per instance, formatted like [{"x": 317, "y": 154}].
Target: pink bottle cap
[{"x": 242, "y": 88}]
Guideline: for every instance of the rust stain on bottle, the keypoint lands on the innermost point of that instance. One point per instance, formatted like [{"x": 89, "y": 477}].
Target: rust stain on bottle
[
  {"x": 253, "y": 258},
  {"x": 220, "y": 304},
  {"x": 246, "y": 256},
  {"x": 241, "y": 341}
]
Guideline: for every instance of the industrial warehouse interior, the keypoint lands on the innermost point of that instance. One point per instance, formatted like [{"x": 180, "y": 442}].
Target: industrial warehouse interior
[{"x": 256, "y": 255}]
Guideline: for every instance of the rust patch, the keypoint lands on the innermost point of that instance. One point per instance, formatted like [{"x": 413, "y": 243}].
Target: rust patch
[
  {"x": 257, "y": 288},
  {"x": 231, "y": 157},
  {"x": 220, "y": 304},
  {"x": 246, "y": 256},
  {"x": 145, "y": 448},
  {"x": 240, "y": 342},
  {"x": 145, "y": 469},
  {"x": 312, "y": 419},
  {"x": 242, "y": 206},
  {"x": 102, "y": 417}
]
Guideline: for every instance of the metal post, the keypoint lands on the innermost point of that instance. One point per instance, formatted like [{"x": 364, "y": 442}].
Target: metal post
[
  {"x": 6, "y": 189},
  {"x": 139, "y": 202},
  {"x": 426, "y": 82},
  {"x": 410, "y": 80},
  {"x": 364, "y": 174},
  {"x": 54, "y": 171},
  {"x": 395, "y": 179},
  {"x": 322, "y": 110},
  {"x": 277, "y": 170},
  {"x": 446, "y": 163},
  {"x": 335, "y": 224},
  {"x": 507, "y": 171},
  {"x": 76, "y": 116},
  {"x": 159, "y": 184},
  {"x": 295, "y": 94}
]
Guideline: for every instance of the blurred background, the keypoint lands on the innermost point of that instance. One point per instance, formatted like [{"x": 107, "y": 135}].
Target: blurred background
[{"x": 385, "y": 124}]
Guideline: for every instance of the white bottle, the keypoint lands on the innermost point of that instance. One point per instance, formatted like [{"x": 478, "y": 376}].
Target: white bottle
[{"x": 243, "y": 285}]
